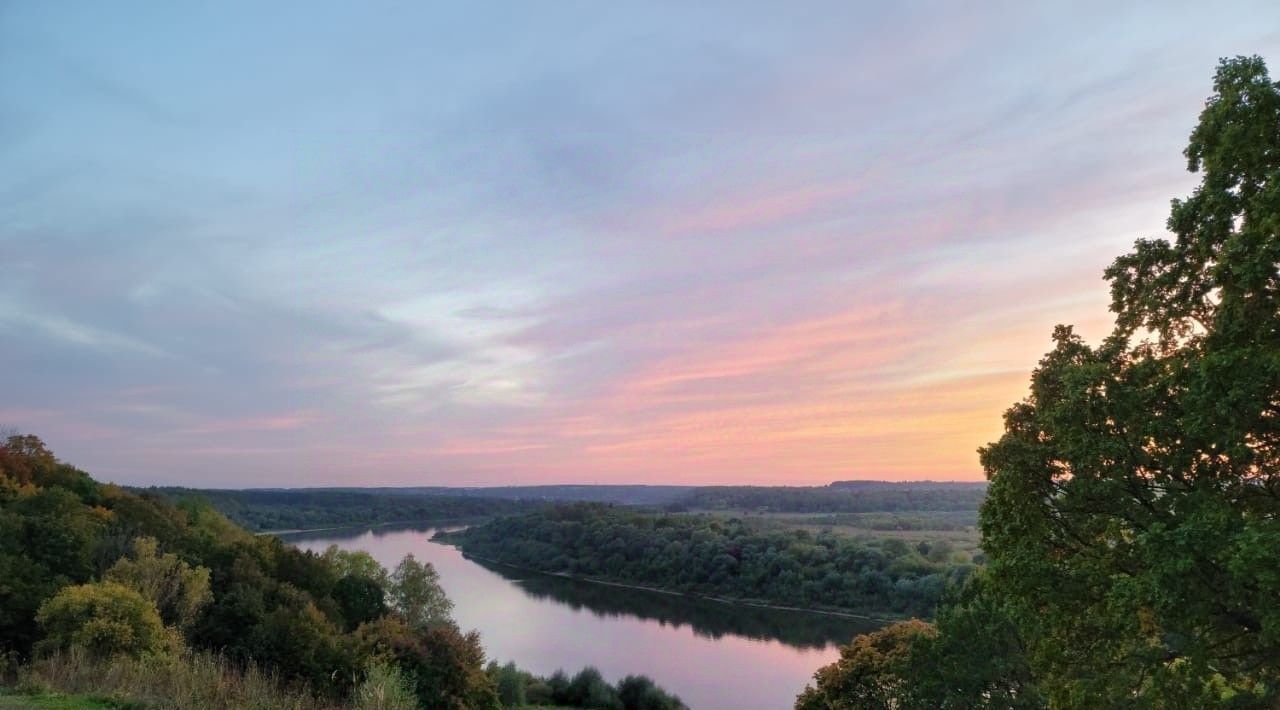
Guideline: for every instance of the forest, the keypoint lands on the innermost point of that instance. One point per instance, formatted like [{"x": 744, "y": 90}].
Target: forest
[
  {"x": 281, "y": 510},
  {"x": 115, "y": 594},
  {"x": 723, "y": 557},
  {"x": 839, "y": 497}
]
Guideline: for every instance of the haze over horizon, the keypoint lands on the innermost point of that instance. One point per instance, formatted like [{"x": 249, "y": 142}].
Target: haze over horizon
[{"x": 318, "y": 245}]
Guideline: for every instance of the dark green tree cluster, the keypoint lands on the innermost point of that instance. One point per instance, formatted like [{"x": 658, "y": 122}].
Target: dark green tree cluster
[
  {"x": 1132, "y": 525},
  {"x": 308, "y": 509},
  {"x": 586, "y": 689},
  {"x": 721, "y": 557}
]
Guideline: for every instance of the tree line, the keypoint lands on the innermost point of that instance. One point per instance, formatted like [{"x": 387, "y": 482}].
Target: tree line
[
  {"x": 839, "y": 497},
  {"x": 304, "y": 509},
  {"x": 300, "y": 509}
]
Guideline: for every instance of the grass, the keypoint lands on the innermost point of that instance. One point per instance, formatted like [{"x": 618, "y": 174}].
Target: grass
[
  {"x": 958, "y": 528},
  {"x": 76, "y": 680},
  {"x": 194, "y": 681},
  {"x": 54, "y": 701}
]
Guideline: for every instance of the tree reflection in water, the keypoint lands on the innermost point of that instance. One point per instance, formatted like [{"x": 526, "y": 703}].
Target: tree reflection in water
[{"x": 707, "y": 617}]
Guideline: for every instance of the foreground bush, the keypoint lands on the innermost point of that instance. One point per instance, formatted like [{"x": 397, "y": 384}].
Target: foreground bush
[{"x": 105, "y": 618}]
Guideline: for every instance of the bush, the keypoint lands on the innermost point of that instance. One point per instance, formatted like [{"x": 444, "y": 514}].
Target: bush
[
  {"x": 105, "y": 618},
  {"x": 178, "y": 590},
  {"x": 446, "y": 665},
  {"x": 384, "y": 687}
]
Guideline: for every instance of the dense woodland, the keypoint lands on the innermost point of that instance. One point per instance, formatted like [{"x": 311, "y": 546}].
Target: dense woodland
[
  {"x": 107, "y": 591},
  {"x": 723, "y": 557},
  {"x": 840, "y": 497},
  {"x": 263, "y": 510}
]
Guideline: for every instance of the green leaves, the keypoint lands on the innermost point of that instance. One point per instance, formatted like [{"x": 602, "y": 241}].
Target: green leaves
[
  {"x": 178, "y": 590},
  {"x": 104, "y": 618},
  {"x": 1131, "y": 522},
  {"x": 416, "y": 594}
]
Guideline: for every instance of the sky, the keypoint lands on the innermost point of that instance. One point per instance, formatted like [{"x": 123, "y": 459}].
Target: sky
[{"x": 335, "y": 243}]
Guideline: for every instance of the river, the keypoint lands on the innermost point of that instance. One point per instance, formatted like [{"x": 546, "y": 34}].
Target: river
[{"x": 714, "y": 655}]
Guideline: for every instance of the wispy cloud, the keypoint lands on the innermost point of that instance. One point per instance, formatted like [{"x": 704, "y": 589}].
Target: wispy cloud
[{"x": 700, "y": 243}]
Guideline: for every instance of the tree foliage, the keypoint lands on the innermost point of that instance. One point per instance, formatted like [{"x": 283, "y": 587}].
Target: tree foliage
[
  {"x": 1133, "y": 518},
  {"x": 719, "y": 557},
  {"x": 970, "y": 657},
  {"x": 1132, "y": 523},
  {"x": 178, "y": 590},
  {"x": 839, "y": 497},
  {"x": 872, "y": 672},
  {"x": 446, "y": 665},
  {"x": 281, "y": 510},
  {"x": 355, "y": 563},
  {"x": 360, "y": 599},
  {"x": 416, "y": 594},
  {"x": 104, "y": 618}
]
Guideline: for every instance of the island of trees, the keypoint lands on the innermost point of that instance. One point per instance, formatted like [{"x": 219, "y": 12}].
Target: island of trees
[{"x": 722, "y": 557}]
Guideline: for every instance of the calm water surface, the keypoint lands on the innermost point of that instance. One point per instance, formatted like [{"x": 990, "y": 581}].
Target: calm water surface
[{"x": 715, "y": 656}]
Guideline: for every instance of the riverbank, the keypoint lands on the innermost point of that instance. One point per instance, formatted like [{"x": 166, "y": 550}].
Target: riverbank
[{"x": 445, "y": 523}]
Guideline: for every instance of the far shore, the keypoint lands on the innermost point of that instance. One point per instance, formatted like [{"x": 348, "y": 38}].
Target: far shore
[{"x": 451, "y": 522}]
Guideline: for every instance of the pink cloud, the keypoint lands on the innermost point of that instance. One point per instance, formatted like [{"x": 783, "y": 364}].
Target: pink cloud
[
  {"x": 270, "y": 423},
  {"x": 754, "y": 210}
]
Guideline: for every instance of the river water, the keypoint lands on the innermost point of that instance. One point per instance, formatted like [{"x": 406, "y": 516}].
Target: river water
[{"x": 714, "y": 655}]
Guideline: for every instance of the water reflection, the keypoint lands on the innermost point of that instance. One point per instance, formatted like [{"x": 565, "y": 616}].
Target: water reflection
[{"x": 708, "y": 618}]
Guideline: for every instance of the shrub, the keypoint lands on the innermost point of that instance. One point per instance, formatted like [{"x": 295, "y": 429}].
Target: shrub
[
  {"x": 104, "y": 618},
  {"x": 384, "y": 687},
  {"x": 178, "y": 590}
]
